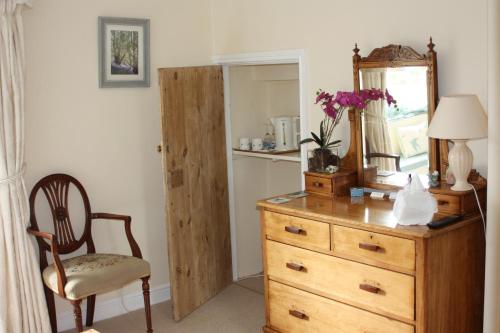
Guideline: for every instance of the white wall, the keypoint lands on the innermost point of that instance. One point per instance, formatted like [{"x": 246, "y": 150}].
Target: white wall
[
  {"x": 492, "y": 283},
  {"x": 327, "y": 30},
  {"x": 106, "y": 138}
]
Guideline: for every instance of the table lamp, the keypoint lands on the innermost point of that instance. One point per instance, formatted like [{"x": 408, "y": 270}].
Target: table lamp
[{"x": 459, "y": 118}]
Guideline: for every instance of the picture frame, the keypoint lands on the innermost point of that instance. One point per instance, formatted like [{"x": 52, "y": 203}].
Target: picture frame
[{"x": 123, "y": 52}]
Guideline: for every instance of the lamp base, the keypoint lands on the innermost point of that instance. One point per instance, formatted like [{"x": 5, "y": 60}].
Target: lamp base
[
  {"x": 462, "y": 187},
  {"x": 460, "y": 159}
]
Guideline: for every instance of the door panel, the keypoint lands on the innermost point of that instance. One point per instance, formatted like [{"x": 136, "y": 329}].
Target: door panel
[{"x": 195, "y": 173}]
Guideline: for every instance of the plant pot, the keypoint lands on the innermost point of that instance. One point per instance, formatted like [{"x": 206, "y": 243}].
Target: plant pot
[{"x": 320, "y": 158}]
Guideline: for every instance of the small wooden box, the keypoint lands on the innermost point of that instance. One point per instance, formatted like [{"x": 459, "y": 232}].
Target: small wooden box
[
  {"x": 331, "y": 185},
  {"x": 458, "y": 202}
]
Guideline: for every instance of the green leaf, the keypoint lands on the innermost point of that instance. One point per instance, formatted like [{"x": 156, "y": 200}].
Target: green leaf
[
  {"x": 333, "y": 143},
  {"x": 321, "y": 131},
  {"x": 318, "y": 140},
  {"x": 308, "y": 140}
]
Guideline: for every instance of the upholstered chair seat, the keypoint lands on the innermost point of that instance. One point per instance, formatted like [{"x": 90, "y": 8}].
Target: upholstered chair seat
[{"x": 96, "y": 273}]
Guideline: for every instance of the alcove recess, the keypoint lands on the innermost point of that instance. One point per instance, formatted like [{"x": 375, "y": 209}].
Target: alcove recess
[{"x": 257, "y": 93}]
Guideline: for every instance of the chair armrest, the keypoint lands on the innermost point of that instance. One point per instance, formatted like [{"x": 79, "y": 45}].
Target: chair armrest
[
  {"x": 383, "y": 155},
  {"x": 108, "y": 216},
  {"x": 61, "y": 275},
  {"x": 396, "y": 158},
  {"x": 136, "y": 251}
]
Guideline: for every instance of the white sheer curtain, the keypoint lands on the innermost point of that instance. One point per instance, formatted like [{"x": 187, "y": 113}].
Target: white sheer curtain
[
  {"x": 22, "y": 302},
  {"x": 375, "y": 127}
]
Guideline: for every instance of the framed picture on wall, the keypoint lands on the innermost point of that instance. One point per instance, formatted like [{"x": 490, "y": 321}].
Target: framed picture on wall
[{"x": 123, "y": 52}]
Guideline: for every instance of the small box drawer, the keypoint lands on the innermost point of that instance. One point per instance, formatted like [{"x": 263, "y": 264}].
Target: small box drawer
[
  {"x": 295, "y": 311},
  {"x": 331, "y": 185},
  {"x": 394, "y": 251},
  {"x": 448, "y": 204},
  {"x": 297, "y": 231},
  {"x": 372, "y": 288},
  {"x": 319, "y": 185}
]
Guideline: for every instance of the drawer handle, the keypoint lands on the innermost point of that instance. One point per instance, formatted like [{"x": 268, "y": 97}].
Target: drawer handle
[
  {"x": 369, "y": 247},
  {"x": 295, "y": 230},
  {"x": 298, "y": 314},
  {"x": 317, "y": 184},
  {"x": 369, "y": 288},
  {"x": 443, "y": 203},
  {"x": 295, "y": 267}
]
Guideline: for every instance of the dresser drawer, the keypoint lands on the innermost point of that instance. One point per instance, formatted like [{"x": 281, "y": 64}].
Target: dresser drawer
[
  {"x": 448, "y": 204},
  {"x": 395, "y": 251},
  {"x": 370, "y": 287},
  {"x": 295, "y": 311},
  {"x": 319, "y": 185},
  {"x": 297, "y": 231}
]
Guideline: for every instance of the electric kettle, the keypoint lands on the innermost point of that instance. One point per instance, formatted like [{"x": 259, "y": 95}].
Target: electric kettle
[{"x": 286, "y": 131}]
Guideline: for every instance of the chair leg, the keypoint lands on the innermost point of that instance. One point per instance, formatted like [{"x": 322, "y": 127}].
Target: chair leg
[
  {"x": 77, "y": 312},
  {"x": 90, "y": 311},
  {"x": 51, "y": 308},
  {"x": 147, "y": 303}
]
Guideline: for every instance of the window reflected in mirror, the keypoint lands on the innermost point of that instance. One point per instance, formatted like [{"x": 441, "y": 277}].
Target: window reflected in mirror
[{"x": 395, "y": 141}]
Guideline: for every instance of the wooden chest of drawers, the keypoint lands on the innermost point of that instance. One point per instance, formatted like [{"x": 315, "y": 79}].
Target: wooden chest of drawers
[{"x": 332, "y": 266}]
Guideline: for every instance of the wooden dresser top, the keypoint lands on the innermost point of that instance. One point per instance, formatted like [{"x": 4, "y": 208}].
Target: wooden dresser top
[{"x": 369, "y": 214}]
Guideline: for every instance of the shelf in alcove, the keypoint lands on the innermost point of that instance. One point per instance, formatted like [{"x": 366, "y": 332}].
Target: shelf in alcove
[{"x": 290, "y": 155}]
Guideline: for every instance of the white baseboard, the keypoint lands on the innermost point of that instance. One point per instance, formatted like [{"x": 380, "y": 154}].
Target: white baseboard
[{"x": 114, "y": 307}]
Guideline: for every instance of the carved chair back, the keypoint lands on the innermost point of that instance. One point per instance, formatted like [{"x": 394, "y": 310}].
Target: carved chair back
[{"x": 56, "y": 190}]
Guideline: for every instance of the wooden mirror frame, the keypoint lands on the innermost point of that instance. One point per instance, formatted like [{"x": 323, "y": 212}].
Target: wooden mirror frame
[{"x": 395, "y": 56}]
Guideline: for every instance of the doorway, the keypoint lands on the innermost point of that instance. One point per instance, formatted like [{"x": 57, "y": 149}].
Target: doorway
[{"x": 258, "y": 87}]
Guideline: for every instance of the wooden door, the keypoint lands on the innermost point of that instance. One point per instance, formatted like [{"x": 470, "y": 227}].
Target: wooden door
[{"x": 195, "y": 173}]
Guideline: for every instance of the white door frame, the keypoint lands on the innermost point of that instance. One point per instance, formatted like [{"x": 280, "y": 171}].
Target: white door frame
[{"x": 260, "y": 58}]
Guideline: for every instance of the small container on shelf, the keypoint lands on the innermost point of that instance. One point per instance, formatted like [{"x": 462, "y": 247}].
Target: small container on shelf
[{"x": 269, "y": 143}]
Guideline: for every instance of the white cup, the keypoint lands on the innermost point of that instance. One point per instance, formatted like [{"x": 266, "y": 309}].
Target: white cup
[
  {"x": 244, "y": 143},
  {"x": 257, "y": 144}
]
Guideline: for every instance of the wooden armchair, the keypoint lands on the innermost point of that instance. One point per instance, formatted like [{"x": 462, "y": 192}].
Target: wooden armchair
[
  {"x": 87, "y": 275},
  {"x": 369, "y": 155}
]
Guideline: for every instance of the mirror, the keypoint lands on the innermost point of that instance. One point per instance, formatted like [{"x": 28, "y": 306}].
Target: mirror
[
  {"x": 394, "y": 137},
  {"x": 392, "y": 142}
]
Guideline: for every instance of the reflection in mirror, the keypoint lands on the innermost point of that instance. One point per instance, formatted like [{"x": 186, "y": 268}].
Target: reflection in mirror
[{"x": 395, "y": 141}]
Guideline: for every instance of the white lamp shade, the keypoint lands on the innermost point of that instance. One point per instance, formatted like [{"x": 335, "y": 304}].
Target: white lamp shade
[{"x": 459, "y": 117}]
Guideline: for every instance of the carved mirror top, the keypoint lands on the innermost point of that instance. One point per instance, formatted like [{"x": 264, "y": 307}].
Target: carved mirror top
[{"x": 395, "y": 54}]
